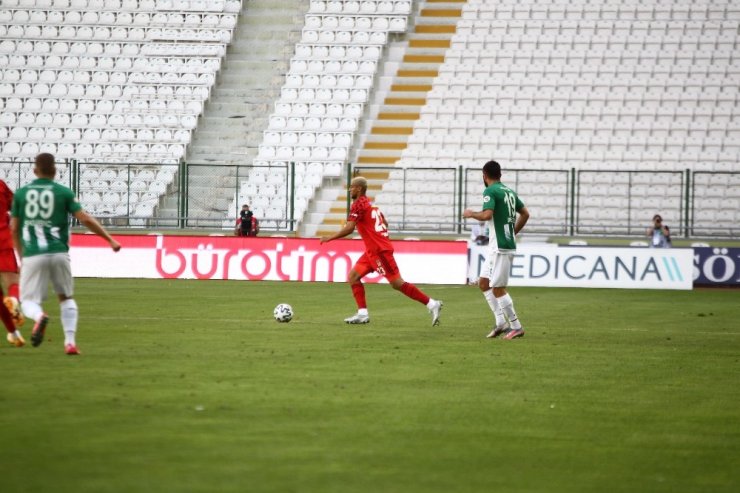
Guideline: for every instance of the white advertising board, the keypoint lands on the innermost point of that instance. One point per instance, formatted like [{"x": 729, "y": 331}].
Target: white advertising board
[
  {"x": 587, "y": 267},
  {"x": 276, "y": 259}
]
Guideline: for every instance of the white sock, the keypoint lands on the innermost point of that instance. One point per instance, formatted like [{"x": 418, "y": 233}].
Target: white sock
[
  {"x": 507, "y": 306},
  {"x": 32, "y": 310},
  {"x": 362, "y": 311},
  {"x": 495, "y": 307},
  {"x": 17, "y": 333},
  {"x": 68, "y": 310},
  {"x": 432, "y": 303}
]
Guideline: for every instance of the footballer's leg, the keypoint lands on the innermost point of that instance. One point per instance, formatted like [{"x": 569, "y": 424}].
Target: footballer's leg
[
  {"x": 484, "y": 283},
  {"x": 69, "y": 316},
  {"x": 391, "y": 272},
  {"x": 61, "y": 280},
  {"x": 354, "y": 278},
  {"x": 500, "y": 281},
  {"x": 34, "y": 282},
  {"x": 14, "y": 336},
  {"x": 9, "y": 276},
  {"x": 507, "y": 305}
]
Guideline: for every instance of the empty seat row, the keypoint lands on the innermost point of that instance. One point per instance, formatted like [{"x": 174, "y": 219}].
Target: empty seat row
[
  {"x": 335, "y": 66},
  {"x": 329, "y": 81},
  {"x": 162, "y": 135},
  {"x": 344, "y": 37},
  {"x": 301, "y": 168},
  {"x": 162, "y": 110},
  {"x": 81, "y": 120},
  {"x": 308, "y": 138},
  {"x": 599, "y": 10},
  {"x": 341, "y": 53},
  {"x": 323, "y": 94},
  {"x": 360, "y": 7},
  {"x": 23, "y": 45},
  {"x": 65, "y": 149},
  {"x": 186, "y": 73},
  {"x": 129, "y": 5},
  {"x": 90, "y": 63},
  {"x": 95, "y": 91},
  {"x": 605, "y": 40},
  {"x": 334, "y": 108},
  {"x": 379, "y": 23},
  {"x": 585, "y": 26},
  {"x": 302, "y": 152},
  {"x": 110, "y": 18},
  {"x": 114, "y": 92},
  {"x": 90, "y": 172},
  {"x": 313, "y": 123}
]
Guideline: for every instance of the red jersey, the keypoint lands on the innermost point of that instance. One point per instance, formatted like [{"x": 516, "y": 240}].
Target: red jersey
[
  {"x": 371, "y": 225},
  {"x": 6, "y": 200}
]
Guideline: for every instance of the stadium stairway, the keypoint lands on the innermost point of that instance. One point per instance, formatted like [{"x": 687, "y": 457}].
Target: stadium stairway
[
  {"x": 397, "y": 105},
  {"x": 230, "y": 130}
]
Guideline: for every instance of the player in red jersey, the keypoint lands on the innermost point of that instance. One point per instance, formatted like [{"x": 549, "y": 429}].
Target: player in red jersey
[
  {"x": 378, "y": 256},
  {"x": 9, "y": 310}
]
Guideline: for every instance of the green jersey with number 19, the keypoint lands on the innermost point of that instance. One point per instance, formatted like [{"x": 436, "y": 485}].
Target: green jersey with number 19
[
  {"x": 504, "y": 202},
  {"x": 42, "y": 209}
]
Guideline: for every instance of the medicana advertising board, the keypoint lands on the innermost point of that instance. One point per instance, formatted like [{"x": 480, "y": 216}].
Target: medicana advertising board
[
  {"x": 432, "y": 262},
  {"x": 545, "y": 265}
]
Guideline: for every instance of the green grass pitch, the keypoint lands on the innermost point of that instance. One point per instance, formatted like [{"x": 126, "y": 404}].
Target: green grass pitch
[{"x": 191, "y": 386}]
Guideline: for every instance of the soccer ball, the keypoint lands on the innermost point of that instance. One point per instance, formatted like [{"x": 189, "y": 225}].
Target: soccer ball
[{"x": 283, "y": 313}]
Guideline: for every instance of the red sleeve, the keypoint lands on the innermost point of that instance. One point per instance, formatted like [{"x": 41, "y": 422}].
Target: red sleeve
[
  {"x": 357, "y": 211},
  {"x": 8, "y": 193}
]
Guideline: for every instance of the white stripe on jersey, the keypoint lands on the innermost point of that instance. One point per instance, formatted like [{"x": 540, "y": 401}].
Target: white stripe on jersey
[{"x": 41, "y": 237}]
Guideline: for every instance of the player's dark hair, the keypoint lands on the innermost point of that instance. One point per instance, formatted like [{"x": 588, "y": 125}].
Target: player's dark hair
[
  {"x": 492, "y": 170},
  {"x": 45, "y": 164}
]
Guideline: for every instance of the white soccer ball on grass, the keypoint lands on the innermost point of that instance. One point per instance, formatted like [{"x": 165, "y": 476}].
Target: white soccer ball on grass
[{"x": 283, "y": 313}]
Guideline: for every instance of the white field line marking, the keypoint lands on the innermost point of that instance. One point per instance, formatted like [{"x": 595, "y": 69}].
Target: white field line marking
[{"x": 241, "y": 320}]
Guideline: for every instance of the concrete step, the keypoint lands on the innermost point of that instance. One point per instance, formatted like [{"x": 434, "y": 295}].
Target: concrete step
[
  {"x": 384, "y": 145},
  {"x": 398, "y": 115},
  {"x": 412, "y": 75},
  {"x": 440, "y": 42},
  {"x": 441, "y": 29},
  {"x": 424, "y": 58},
  {"x": 403, "y": 101},
  {"x": 419, "y": 66},
  {"x": 377, "y": 160},
  {"x": 412, "y": 81}
]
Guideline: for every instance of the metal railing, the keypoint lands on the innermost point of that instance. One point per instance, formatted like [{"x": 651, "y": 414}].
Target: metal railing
[{"x": 416, "y": 200}]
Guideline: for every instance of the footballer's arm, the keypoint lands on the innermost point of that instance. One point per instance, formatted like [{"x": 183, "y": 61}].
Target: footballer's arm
[
  {"x": 521, "y": 220},
  {"x": 348, "y": 229},
  {"x": 93, "y": 225},
  {"x": 14, "y": 231},
  {"x": 484, "y": 215}
]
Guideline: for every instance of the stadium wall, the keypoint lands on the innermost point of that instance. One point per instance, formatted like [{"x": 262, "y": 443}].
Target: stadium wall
[{"x": 454, "y": 262}]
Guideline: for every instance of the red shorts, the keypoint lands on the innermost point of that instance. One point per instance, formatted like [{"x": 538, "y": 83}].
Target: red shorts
[
  {"x": 382, "y": 262},
  {"x": 8, "y": 262}
]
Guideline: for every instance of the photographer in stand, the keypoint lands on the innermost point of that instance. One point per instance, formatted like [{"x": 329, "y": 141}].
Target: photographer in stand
[
  {"x": 660, "y": 234},
  {"x": 246, "y": 224}
]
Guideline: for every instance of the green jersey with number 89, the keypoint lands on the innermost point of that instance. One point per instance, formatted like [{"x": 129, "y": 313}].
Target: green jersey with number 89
[
  {"x": 42, "y": 209},
  {"x": 504, "y": 202}
]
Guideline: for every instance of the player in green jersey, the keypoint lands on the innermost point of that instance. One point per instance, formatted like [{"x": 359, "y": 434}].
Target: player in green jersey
[
  {"x": 500, "y": 208},
  {"x": 40, "y": 228}
]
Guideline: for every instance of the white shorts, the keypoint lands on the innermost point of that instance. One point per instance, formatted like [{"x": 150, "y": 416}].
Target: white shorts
[
  {"x": 37, "y": 271},
  {"x": 496, "y": 268}
]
